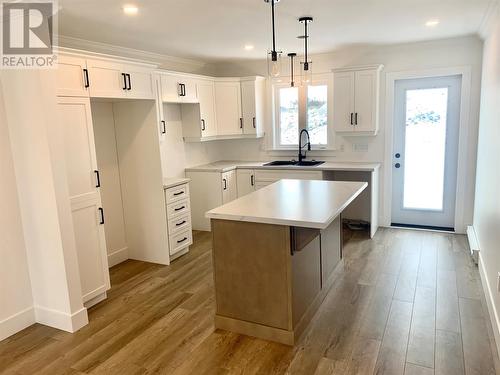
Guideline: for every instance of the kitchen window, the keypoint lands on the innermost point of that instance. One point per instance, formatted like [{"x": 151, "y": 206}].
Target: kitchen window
[{"x": 298, "y": 108}]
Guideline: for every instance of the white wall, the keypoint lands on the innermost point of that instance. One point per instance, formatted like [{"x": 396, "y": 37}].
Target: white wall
[
  {"x": 39, "y": 167},
  {"x": 487, "y": 201},
  {"x": 456, "y": 52},
  {"x": 109, "y": 172},
  {"x": 16, "y": 301}
]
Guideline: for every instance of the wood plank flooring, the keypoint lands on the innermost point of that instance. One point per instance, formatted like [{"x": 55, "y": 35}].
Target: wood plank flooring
[{"x": 406, "y": 302}]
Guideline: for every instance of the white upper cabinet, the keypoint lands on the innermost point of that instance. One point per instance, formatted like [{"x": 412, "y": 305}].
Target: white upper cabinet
[
  {"x": 356, "y": 100},
  {"x": 228, "y": 107},
  {"x": 252, "y": 102},
  {"x": 206, "y": 96},
  {"x": 178, "y": 89},
  {"x": 110, "y": 79},
  {"x": 72, "y": 76}
]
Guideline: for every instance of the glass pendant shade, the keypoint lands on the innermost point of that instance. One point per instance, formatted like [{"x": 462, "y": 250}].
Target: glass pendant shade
[
  {"x": 274, "y": 64},
  {"x": 305, "y": 73}
]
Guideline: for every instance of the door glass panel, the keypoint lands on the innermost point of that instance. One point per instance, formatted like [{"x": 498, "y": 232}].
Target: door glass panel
[
  {"x": 289, "y": 116},
  {"x": 317, "y": 114},
  {"x": 425, "y": 146}
]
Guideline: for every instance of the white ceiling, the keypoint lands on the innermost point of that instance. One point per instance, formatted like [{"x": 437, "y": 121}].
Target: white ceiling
[{"x": 213, "y": 30}]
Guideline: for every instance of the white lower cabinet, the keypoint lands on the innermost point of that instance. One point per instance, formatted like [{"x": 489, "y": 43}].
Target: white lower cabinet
[
  {"x": 77, "y": 136},
  {"x": 211, "y": 189},
  {"x": 245, "y": 181},
  {"x": 179, "y": 229}
]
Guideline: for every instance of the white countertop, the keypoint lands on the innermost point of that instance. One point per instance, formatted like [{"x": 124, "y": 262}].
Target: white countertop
[
  {"x": 226, "y": 165},
  {"x": 174, "y": 181},
  {"x": 300, "y": 203}
]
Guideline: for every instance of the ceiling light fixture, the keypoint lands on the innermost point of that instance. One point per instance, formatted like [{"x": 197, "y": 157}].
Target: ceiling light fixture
[
  {"x": 130, "y": 9},
  {"x": 249, "y": 47},
  {"x": 306, "y": 68},
  {"x": 432, "y": 23},
  {"x": 292, "y": 56},
  {"x": 274, "y": 56}
]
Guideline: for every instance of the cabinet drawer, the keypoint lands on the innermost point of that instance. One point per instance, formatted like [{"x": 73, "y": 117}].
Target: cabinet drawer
[
  {"x": 180, "y": 241},
  {"x": 263, "y": 175},
  {"x": 176, "y": 193},
  {"x": 177, "y": 209},
  {"x": 179, "y": 224}
]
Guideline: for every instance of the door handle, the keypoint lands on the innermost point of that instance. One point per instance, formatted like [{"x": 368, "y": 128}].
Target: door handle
[
  {"x": 352, "y": 114},
  {"x": 129, "y": 82},
  {"x": 98, "y": 179},
  {"x": 101, "y": 211},
  {"x": 164, "y": 127},
  {"x": 125, "y": 87},
  {"x": 86, "y": 78},
  {"x": 202, "y": 124}
]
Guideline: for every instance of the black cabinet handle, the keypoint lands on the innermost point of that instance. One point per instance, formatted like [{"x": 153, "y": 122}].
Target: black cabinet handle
[
  {"x": 164, "y": 127},
  {"x": 225, "y": 183},
  {"x": 184, "y": 239},
  {"x": 101, "y": 211},
  {"x": 98, "y": 179},
  {"x": 252, "y": 180},
  {"x": 179, "y": 193},
  {"x": 129, "y": 82},
  {"x": 182, "y": 86},
  {"x": 253, "y": 122},
  {"x": 180, "y": 208},
  {"x": 125, "y": 86},
  {"x": 179, "y": 89},
  {"x": 179, "y": 224},
  {"x": 241, "y": 123},
  {"x": 86, "y": 78},
  {"x": 352, "y": 114},
  {"x": 356, "y": 118},
  {"x": 203, "y": 125}
]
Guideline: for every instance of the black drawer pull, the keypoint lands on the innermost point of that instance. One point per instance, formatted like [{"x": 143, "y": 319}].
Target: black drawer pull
[
  {"x": 356, "y": 118},
  {"x": 252, "y": 182},
  {"x": 179, "y": 193},
  {"x": 182, "y": 222},
  {"x": 101, "y": 211},
  {"x": 253, "y": 122},
  {"x": 180, "y": 208},
  {"x": 164, "y": 127},
  {"x": 352, "y": 122},
  {"x": 98, "y": 179},
  {"x": 184, "y": 239}
]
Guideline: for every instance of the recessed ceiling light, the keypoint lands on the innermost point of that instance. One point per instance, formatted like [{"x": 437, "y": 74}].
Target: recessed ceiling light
[
  {"x": 130, "y": 9},
  {"x": 432, "y": 23},
  {"x": 249, "y": 47}
]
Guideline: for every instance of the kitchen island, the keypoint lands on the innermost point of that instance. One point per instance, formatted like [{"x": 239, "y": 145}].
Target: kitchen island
[{"x": 274, "y": 255}]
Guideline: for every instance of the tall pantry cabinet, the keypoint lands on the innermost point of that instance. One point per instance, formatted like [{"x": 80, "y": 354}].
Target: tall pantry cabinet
[{"x": 84, "y": 189}]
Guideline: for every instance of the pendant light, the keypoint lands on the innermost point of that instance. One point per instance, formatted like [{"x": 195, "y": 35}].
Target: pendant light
[
  {"x": 292, "y": 56},
  {"x": 306, "y": 65},
  {"x": 273, "y": 57}
]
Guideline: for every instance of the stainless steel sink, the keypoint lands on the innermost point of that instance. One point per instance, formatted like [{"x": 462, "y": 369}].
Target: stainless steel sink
[{"x": 303, "y": 163}]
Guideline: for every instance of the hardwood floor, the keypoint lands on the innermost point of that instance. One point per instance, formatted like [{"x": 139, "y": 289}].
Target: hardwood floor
[{"x": 406, "y": 302}]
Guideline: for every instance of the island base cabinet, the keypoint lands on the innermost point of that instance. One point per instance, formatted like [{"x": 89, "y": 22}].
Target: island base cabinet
[{"x": 270, "y": 279}]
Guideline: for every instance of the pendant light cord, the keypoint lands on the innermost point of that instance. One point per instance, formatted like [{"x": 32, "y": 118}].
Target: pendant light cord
[{"x": 274, "y": 35}]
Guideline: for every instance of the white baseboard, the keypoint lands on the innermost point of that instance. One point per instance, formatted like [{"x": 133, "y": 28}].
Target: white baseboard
[
  {"x": 17, "y": 322},
  {"x": 60, "y": 320},
  {"x": 118, "y": 256},
  {"x": 493, "y": 313},
  {"x": 473, "y": 243}
]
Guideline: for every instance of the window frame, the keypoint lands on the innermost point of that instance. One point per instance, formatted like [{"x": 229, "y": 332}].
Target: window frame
[{"x": 318, "y": 79}]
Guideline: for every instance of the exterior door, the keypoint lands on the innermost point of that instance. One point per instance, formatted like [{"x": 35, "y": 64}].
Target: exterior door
[{"x": 427, "y": 118}]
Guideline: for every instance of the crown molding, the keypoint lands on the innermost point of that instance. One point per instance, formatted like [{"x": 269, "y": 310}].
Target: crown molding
[
  {"x": 109, "y": 49},
  {"x": 491, "y": 17}
]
